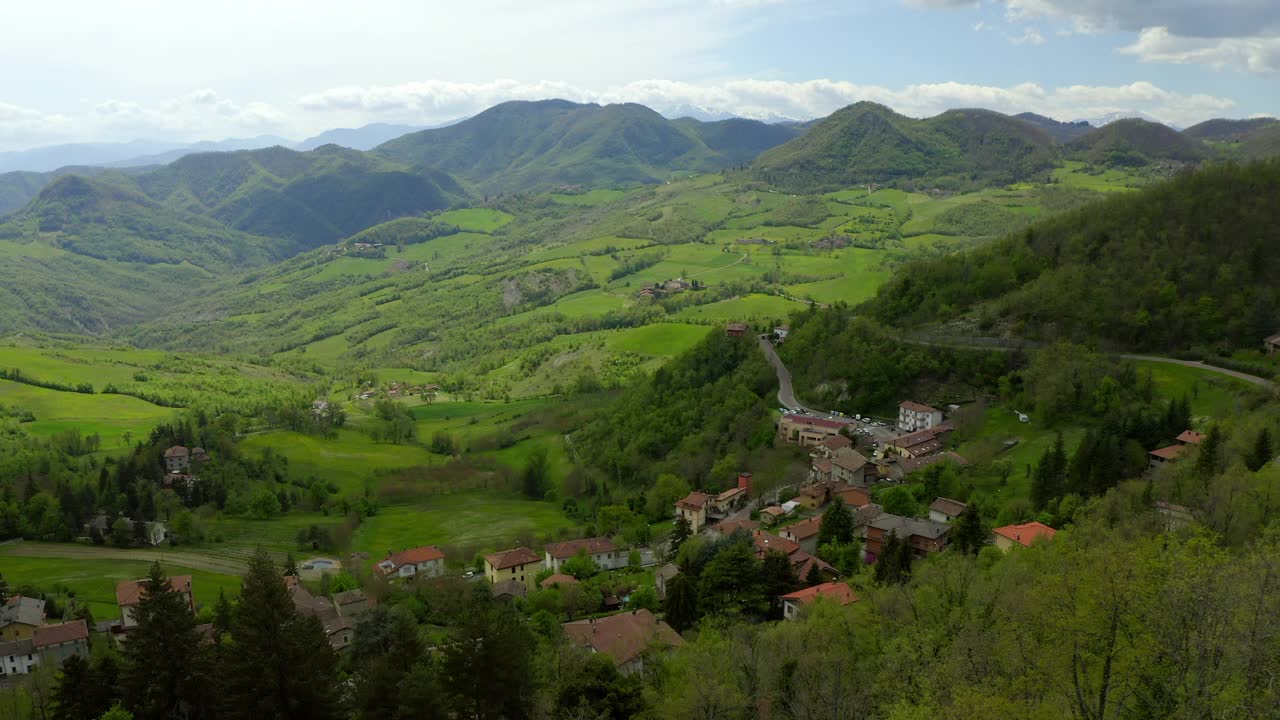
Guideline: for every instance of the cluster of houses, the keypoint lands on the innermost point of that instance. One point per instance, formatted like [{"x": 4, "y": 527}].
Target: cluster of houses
[
  {"x": 393, "y": 390},
  {"x": 664, "y": 288},
  {"x": 27, "y": 639},
  {"x": 181, "y": 465}
]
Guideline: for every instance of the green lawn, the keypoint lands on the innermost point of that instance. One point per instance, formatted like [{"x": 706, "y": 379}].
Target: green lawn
[
  {"x": 1212, "y": 395},
  {"x": 109, "y": 416},
  {"x": 484, "y": 220},
  {"x": 475, "y": 521},
  {"x": 94, "y": 580},
  {"x": 749, "y": 307},
  {"x": 346, "y": 460},
  {"x": 589, "y": 198},
  {"x": 660, "y": 339}
]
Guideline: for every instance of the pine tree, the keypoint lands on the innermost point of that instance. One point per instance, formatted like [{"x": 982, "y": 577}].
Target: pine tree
[
  {"x": 162, "y": 667},
  {"x": 680, "y": 532},
  {"x": 893, "y": 566},
  {"x": 779, "y": 579},
  {"x": 1050, "y": 475},
  {"x": 489, "y": 666},
  {"x": 79, "y": 692},
  {"x": 813, "y": 577},
  {"x": 290, "y": 566},
  {"x": 967, "y": 535},
  {"x": 1208, "y": 458},
  {"x": 222, "y": 614},
  {"x": 281, "y": 664},
  {"x": 681, "y": 604},
  {"x": 1262, "y": 452},
  {"x": 837, "y": 525}
]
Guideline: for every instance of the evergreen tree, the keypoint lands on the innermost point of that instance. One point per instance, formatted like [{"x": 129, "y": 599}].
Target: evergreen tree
[
  {"x": 967, "y": 534},
  {"x": 837, "y": 525},
  {"x": 290, "y": 566},
  {"x": 82, "y": 691},
  {"x": 536, "y": 473},
  {"x": 1207, "y": 460},
  {"x": 222, "y": 614},
  {"x": 779, "y": 579},
  {"x": 420, "y": 694},
  {"x": 680, "y": 531},
  {"x": 598, "y": 690},
  {"x": 162, "y": 666},
  {"x": 813, "y": 577},
  {"x": 280, "y": 665},
  {"x": 1050, "y": 474},
  {"x": 681, "y": 604},
  {"x": 489, "y": 666},
  {"x": 731, "y": 582},
  {"x": 1261, "y": 453},
  {"x": 894, "y": 564},
  {"x": 388, "y": 646}
]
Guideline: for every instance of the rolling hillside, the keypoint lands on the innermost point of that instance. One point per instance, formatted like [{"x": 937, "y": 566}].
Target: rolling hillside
[
  {"x": 545, "y": 144},
  {"x": 869, "y": 143},
  {"x": 1220, "y": 130},
  {"x": 1185, "y": 264},
  {"x": 1061, "y": 132},
  {"x": 1133, "y": 142}
]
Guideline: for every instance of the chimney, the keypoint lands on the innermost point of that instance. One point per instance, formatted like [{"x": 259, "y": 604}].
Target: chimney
[{"x": 744, "y": 481}]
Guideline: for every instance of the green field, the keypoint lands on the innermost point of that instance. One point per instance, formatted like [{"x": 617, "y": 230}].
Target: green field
[
  {"x": 347, "y": 460},
  {"x": 1212, "y": 395},
  {"x": 589, "y": 198},
  {"x": 750, "y": 307},
  {"x": 661, "y": 339},
  {"x": 93, "y": 580},
  {"x": 482, "y": 220},
  {"x": 474, "y": 521},
  {"x": 109, "y": 416}
]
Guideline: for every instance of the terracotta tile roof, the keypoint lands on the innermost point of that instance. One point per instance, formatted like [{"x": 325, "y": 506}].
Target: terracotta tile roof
[
  {"x": 917, "y": 407},
  {"x": 854, "y": 496},
  {"x": 803, "y": 530},
  {"x": 836, "y": 442},
  {"x": 814, "y": 490},
  {"x": 768, "y": 542},
  {"x": 729, "y": 527},
  {"x": 569, "y": 548},
  {"x": 46, "y": 635},
  {"x": 912, "y": 464},
  {"x": 558, "y": 579},
  {"x": 1168, "y": 453},
  {"x": 823, "y": 467},
  {"x": 176, "y": 451},
  {"x": 1190, "y": 437},
  {"x": 414, "y": 556},
  {"x": 850, "y": 460},
  {"x": 623, "y": 637},
  {"x": 129, "y": 592},
  {"x": 694, "y": 501},
  {"x": 730, "y": 494},
  {"x": 837, "y": 591},
  {"x": 813, "y": 421},
  {"x": 1026, "y": 533},
  {"x": 802, "y": 562},
  {"x": 948, "y": 507},
  {"x": 512, "y": 558},
  {"x": 774, "y": 511}
]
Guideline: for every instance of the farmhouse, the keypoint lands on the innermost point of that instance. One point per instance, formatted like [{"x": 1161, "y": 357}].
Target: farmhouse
[
  {"x": 735, "y": 329},
  {"x": 55, "y": 643},
  {"x": 1024, "y": 534},
  {"x": 914, "y": 416},
  {"x": 626, "y": 638},
  {"x": 177, "y": 459},
  {"x": 772, "y": 514},
  {"x": 923, "y": 535},
  {"x": 1189, "y": 437},
  {"x": 919, "y": 443},
  {"x": 944, "y": 510},
  {"x": 693, "y": 508},
  {"x": 1270, "y": 345},
  {"x": 426, "y": 561},
  {"x": 520, "y": 565},
  {"x": 130, "y": 592},
  {"x": 729, "y": 527},
  {"x": 807, "y": 431},
  {"x": 838, "y": 592},
  {"x": 1163, "y": 455},
  {"x": 338, "y": 630},
  {"x": 20, "y": 617},
  {"x": 601, "y": 550}
]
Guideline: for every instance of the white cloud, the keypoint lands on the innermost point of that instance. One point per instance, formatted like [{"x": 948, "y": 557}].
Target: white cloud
[
  {"x": 1030, "y": 37},
  {"x": 1258, "y": 55}
]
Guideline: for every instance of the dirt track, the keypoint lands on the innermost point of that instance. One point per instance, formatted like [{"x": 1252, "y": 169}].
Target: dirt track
[{"x": 195, "y": 561}]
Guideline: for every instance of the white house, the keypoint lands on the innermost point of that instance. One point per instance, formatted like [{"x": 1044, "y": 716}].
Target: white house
[
  {"x": 914, "y": 416},
  {"x": 600, "y": 549},
  {"x": 17, "y": 657},
  {"x": 944, "y": 510},
  {"x": 427, "y": 561}
]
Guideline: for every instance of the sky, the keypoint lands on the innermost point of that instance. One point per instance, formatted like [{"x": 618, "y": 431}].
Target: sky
[{"x": 160, "y": 70}]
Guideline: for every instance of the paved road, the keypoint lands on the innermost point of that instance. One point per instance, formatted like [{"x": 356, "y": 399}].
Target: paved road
[
  {"x": 1254, "y": 379},
  {"x": 786, "y": 392}
]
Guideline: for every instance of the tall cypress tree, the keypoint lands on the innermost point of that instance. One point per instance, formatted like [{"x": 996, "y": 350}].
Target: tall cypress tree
[
  {"x": 779, "y": 579},
  {"x": 1210, "y": 451},
  {"x": 162, "y": 664},
  {"x": 1261, "y": 452},
  {"x": 280, "y": 664},
  {"x": 967, "y": 535},
  {"x": 837, "y": 525},
  {"x": 681, "y": 604}
]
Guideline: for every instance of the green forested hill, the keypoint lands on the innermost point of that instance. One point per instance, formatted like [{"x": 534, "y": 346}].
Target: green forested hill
[
  {"x": 1061, "y": 132},
  {"x": 1135, "y": 142},
  {"x": 1221, "y": 130},
  {"x": 1187, "y": 263},
  {"x": 867, "y": 143},
  {"x": 544, "y": 144}
]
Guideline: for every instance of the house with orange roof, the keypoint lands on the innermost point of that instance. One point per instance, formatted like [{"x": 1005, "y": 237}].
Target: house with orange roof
[
  {"x": 1163, "y": 455},
  {"x": 693, "y": 507},
  {"x": 1190, "y": 437},
  {"x": 804, "y": 533},
  {"x": 129, "y": 593},
  {"x": 913, "y": 416},
  {"x": 557, "y": 580},
  {"x": 520, "y": 565},
  {"x": 425, "y": 561},
  {"x": 837, "y": 592},
  {"x": 1024, "y": 534}
]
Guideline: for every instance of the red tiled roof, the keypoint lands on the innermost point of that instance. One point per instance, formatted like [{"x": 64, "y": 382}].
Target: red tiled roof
[
  {"x": 731, "y": 493},
  {"x": 56, "y": 634},
  {"x": 774, "y": 510},
  {"x": 815, "y": 422},
  {"x": 1168, "y": 453},
  {"x": 838, "y": 591},
  {"x": 623, "y": 637},
  {"x": 854, "y": 496},
  {"x": 1190, "y": 437},
  {"x": 835, "y": 442},
  {"x": 1026, "y": 533},
  {"x": 802, "y": 562},
  {"x": 569, "y": 548},
  {"x": 917, "y": 407},
  {"x": 814, "y": 490},
  {"x": 694, "y": 501},
  {"x": 803, "y": 529},
  {"x": 850, "y": 460},
  {"x": 558, "y": 579},
  {"x": 413, "y": 556},
  {"x": 728, "y": 527},
  {"x": 768, "y": 542},
  {"x": 511, "y": 558},
  {"x": 129, "y": 592}
]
